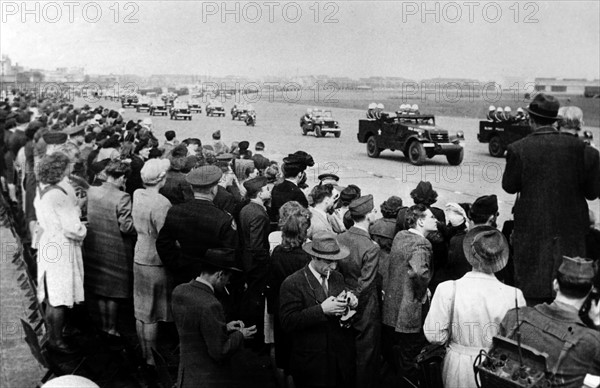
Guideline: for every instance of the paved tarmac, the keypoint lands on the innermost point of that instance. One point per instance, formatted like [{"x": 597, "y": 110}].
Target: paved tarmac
[{"x": 390, "y": 174}]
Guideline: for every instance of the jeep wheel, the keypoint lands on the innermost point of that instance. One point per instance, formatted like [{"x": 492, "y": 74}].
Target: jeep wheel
[
  {"x": 337, "y": 134},
  {"x": 496, "y": 147},
  {"x": 456, "y": 158},
  {"x": 416, "y": 153},
  {"x": 372, "y": 150},
  {"x": 318, "y": 132},
  {"x": 304, "y": 131}
]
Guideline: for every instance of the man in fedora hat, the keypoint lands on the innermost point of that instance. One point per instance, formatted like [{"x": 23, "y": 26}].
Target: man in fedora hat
[
  {"x": 360, "y": 271},
  {"x": 193, "y": 227},
  {"x": 293, "y": 169},
  {"x": 206, "y": 340},
  {"x": 554, "y": 173},
  {"x": 322, "y": 353},
  {"x": 573, "y": 348}
]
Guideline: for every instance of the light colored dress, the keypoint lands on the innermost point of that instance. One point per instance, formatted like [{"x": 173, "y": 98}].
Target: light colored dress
[
  {"x": 152, "y": 285},
  {"x": 480, "y": 305},
  {"x": 59, "y": 260}
]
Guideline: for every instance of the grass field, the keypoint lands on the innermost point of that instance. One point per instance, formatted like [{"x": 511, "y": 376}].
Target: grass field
[{"x": 442, "y": 104}]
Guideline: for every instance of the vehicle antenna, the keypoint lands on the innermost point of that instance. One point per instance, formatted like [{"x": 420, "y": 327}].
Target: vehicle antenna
[{"x": 519, "y": 334}]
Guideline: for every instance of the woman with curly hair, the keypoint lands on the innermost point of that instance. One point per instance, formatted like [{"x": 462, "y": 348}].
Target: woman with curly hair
[
  {"x": 287, "y": 258},
  {"x": 109, "y": 244},
  {"x": 60, "y": 265}
]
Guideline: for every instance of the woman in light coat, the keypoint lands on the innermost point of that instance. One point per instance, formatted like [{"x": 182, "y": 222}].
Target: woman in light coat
[
  {"x": 60, "y": 265},
  {"x": 152, "y": 287},
  {"x": 480, "y": 303}
]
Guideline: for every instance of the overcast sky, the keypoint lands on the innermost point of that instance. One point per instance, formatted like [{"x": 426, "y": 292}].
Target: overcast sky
[{"x": 345, "y": 38}]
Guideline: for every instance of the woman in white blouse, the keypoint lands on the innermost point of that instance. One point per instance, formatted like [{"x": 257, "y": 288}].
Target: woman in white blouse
[{"x": 480, "y": 302}]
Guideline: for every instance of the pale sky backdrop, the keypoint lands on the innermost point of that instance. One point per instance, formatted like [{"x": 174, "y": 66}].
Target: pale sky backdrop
[{"x": 366, "y": 39}]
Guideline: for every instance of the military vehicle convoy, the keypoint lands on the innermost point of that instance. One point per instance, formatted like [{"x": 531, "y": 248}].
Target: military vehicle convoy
[
  {"x": 416, "y": 136},
  {"x": 180, "y": 110}
]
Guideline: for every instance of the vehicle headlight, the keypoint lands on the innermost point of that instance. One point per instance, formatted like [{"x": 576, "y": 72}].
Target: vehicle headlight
[{"x": 460, "y": 135}]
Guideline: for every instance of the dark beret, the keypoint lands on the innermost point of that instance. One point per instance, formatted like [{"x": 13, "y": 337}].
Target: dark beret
[
  {"x": 361, "y": 206},
  {"x": 485, "y": 206},
  {"x": 255, "y": 184}
]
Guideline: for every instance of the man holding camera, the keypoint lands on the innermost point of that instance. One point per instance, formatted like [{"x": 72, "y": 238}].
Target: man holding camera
[{"x": 322, "y": 353}]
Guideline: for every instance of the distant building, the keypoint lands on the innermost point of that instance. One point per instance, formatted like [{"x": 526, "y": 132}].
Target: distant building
[{"x": 566, "y": 86}]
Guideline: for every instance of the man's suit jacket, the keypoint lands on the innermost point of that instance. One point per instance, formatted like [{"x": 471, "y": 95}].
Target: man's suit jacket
[
  {"x": 554, "y": 173},
  {"x": 318, "y": 223},
  {"x": 224, "y": 200},
  {"x": 205, "y": 343},
  {"x": 255, "y": 227},
  {"x": 284, "y": 192},
  {"x": 409, "y": 275},
  {"x": 320, "y": 347},
  {"x": 360, "y": 271},
  {"x": 190, "y": 229}
]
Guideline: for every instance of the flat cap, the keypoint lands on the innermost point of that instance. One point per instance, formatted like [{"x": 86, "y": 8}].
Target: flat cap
[
  {"x": 255, "y": 184},
  {"x": 204, "y": 176},
  {"x": 226, "y": 157},
  {"x": 486, "y": 205},
  {"x": 361, "y": 206},
  {"x": 55, "y": 137},
  {"x": 71, "y": 131},
  {"x": 578, "y": 269}
]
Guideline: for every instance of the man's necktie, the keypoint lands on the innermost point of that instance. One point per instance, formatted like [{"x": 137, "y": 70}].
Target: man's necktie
[{"x": 324, "y": 284}]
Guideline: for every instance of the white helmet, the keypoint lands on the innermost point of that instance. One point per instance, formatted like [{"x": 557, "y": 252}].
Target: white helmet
[
  {"x": 380, "y": 106},
  {"x": 492, "y": 108},
  {"x": 372, "y": 105},
  {"x": 309, "y": 110},
  {"x": 507, "y": 109},
  {"x": 415, "y": 107},
  {"x": 147, "y": 121},
  {"x": 520, "y": 110},
  {"x": 499, "y": 110}
]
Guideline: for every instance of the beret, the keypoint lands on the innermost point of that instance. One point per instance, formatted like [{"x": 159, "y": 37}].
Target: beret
[
  {"x": 361, "y": 206},
  {"x": 204, "y": 176},
  {"x": 243, "y": 145},
  {"x": 255, "y": 184},
  {"x": 486, "y": 205},
  {"x": 216, "y": 135},
  {"x": 55, "y": 137}
]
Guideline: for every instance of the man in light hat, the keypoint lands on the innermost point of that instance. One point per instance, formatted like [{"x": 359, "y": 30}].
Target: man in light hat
[
  {"x": 255, "y": 227},
  {"x": 557, "y": 329},
  {"x": 193, "y": 227},
  {"x": 371, "y": 110},
  {"x": 360, "y": 271},
  {"x": 206, "y": 340},
  {"x": 490, "y": 114},
  {"x": 554, "y": 174},
  {"x": 322, "y": 353}
]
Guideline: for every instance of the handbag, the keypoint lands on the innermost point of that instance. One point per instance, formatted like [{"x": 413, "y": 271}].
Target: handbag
[{"x": 431, "y": 359}]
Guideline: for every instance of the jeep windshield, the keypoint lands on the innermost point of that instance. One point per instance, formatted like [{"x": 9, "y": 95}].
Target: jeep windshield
[{"x": 326, "y": 114}]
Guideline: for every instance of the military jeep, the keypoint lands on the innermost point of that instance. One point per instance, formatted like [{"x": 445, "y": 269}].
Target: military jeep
[
  {"x": 215, "y": 108},
  {"x": 143, "y": 105},
  {"x": 180, "y": 110},
  {"x": 195, "y": 104},
  {"x": 416, "y": 136},
  {"x": 158, "y": 107},
  {"x": 129, "y": 101},
  {"x": 321, "y": 122}
]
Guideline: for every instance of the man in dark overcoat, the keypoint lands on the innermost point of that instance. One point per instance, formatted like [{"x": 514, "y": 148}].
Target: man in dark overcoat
[
  {"x": 288, "y": 190},
  {"x": 207, "y": 342},
  {"x": 554, "y": 173},
  {"x": 322, "y": 352},
  {"x": 361, "y": 274},
  {"x": 193, "y": 227},
  {"x": 255, "y": 227}
]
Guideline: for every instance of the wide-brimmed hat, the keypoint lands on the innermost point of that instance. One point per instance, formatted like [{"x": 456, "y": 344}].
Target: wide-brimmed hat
[
  {"x": 223, "y": 258},
  {"x": 325, "y": 246},
  {"x": 486, "y": 249},
  {"x": 544, "y": 106}
]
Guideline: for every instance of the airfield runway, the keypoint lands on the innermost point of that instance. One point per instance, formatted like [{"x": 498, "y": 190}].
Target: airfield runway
[{"x": 390, "y": 174}]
